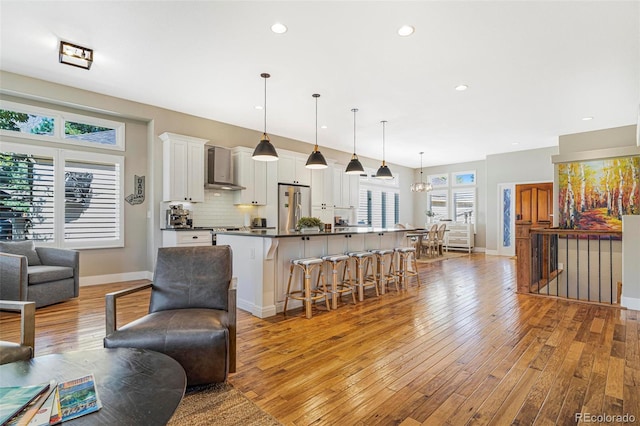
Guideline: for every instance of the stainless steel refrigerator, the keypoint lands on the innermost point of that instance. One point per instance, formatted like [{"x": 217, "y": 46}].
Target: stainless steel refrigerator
[{"x": 294, "y": 202}]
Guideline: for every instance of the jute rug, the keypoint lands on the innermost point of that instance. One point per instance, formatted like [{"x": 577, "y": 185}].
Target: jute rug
[
  {"x": 220, "y": 405},
  {"x": 446, "y": 255}
]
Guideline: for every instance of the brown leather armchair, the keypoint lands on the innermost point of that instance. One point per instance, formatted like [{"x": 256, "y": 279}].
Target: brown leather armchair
[
  {"x": 192, "y": 313},
  {"x": 10, "y": 351}
]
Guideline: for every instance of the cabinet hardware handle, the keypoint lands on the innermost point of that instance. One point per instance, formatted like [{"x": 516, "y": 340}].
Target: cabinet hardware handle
[{"x": 195, "y": 237}]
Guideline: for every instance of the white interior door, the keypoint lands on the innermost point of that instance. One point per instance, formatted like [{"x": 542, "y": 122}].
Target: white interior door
[{"x": 507, "y": 222}]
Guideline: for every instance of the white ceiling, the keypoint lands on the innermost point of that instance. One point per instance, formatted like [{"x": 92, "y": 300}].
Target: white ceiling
[{"x": 534, "y": 68}]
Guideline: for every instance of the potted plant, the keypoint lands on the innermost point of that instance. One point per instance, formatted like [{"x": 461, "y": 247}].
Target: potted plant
[
  {"x": 430, "y": 215},
  {"x": 310, "y": 224}
]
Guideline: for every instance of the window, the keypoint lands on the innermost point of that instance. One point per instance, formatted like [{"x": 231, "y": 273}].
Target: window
[
  {"x": 439, "y": 204},
  {"x": 464, "y": 205},
  {"x": 31, "y": 122},
  {"x": 65, "y": 198},
  {"x": 379, "y": 207}
]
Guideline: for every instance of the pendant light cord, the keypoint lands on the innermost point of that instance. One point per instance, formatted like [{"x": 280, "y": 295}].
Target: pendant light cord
[
  {"x": 354, "y": 129},
  {"x": 421, "y": 166},
  {"x": 316, "y": 120},
  {"x": 265, "y": 105},
  {"x": 383, "y": 124}
]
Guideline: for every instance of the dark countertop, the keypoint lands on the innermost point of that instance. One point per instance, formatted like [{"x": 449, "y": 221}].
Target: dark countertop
[{"x": 272, "y": 233}]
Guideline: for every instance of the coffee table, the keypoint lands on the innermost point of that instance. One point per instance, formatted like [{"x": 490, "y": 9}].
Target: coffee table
[{"x": 135, "y": 386}]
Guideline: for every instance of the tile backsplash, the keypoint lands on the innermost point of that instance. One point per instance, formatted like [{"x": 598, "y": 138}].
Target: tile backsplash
[{"x": 218, "y": 210}]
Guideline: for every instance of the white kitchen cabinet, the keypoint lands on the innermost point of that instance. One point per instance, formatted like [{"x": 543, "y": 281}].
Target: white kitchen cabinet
[
  {"x": 186, "y": 238},
  {"x": 324, "y": 213},
  {"x": 382, "y": 240},
  {"x": 346, "y": 188},
  {"x": 343, "y": 243},
  {"x": 459, "y": 236},
  {"x": 252, "y": 175},
  {"x": 291, "y": 168},
  {"x": 322, "y": 195},
  {"x": 182, "y": 168}
]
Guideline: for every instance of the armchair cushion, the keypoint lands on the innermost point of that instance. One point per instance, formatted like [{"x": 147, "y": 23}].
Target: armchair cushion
[
  {"x": 188, "y": 278},
  {"x": 45, "y": 273},
  {"x": 22, "y": 248},
  {"x": 197, "y": 338},
  {"x": 11, "y": 352}
]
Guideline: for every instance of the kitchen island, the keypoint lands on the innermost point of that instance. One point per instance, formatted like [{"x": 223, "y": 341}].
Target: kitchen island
[{"x": 261, "y": 259}]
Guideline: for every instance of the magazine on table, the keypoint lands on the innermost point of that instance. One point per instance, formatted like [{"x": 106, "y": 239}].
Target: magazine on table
[
  {"x": 78, "y": 397},
  {"x": 16, "y": 399}
]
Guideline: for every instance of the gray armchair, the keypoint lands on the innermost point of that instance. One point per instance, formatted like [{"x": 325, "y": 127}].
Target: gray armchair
[
  {"x": 11, "y": 351},
  {"x": 44, "y": 275},
  {"x": 192, "y": 313}
]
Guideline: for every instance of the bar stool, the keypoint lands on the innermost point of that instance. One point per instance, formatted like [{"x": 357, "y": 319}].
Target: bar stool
[
  {"x": 405, "y": 255},
  {"x": 306, "y": 294},
  {"x": 384, "y": 277},
  {"x": 362, "y": 261},
  {"x": 339, "y": 288}
]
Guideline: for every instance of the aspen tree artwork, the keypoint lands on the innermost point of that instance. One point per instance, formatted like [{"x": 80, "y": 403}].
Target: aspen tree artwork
[{"x": 594, "y": 195}]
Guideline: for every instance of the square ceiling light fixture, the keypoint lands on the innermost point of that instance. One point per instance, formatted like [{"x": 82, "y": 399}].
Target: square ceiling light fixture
[{"x": 74, "y": 55}]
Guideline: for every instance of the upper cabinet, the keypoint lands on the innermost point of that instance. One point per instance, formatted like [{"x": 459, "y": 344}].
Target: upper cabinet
[
  {"x": 252, "y": 175},
  {"x": 346, "y": 188},
  {"x": 182, "y": 168},
  {"x": 322, "y": 187},
  {"x": 291, "y": 168}
]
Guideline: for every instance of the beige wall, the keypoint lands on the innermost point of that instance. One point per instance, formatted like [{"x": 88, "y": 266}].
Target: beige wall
[{"x": 144, "y": 157}]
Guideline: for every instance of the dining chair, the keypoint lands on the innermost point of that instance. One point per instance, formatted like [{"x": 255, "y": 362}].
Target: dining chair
[{"x": 428, "y": 242}]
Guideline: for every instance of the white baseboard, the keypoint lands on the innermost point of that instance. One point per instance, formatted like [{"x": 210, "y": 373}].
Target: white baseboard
[
  {"x": 115, "y": 278},
  {"x": 630, "y": 303},
  {"x": 260, "y": 312}
]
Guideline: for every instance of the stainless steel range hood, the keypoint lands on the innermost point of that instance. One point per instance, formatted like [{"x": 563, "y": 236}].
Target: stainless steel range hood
[{"x": 219, "y": 169}]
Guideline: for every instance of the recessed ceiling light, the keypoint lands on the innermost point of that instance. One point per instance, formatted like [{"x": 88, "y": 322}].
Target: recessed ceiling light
[
  {"x": 587, "y": 118},
  {"x": 461, "y": 87},
  {"x": 324, "y": 126},
  {"x": 405, "y": 30},
  {"x": 279, "y": 28},
  {"x": 258, "y": 107}
]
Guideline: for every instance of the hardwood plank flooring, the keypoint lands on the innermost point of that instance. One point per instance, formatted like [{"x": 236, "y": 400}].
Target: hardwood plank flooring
[{"x": 463, "y": 348}]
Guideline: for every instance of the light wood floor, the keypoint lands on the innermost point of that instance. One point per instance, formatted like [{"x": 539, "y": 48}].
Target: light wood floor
[{"x": 461, "y": 349}]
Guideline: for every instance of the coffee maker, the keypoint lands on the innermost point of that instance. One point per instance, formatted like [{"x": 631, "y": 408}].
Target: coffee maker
[{"x": 178, "y": 217}]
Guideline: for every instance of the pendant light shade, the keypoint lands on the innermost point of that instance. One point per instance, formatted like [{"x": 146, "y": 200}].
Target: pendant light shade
[
  {"x": 421, "y": 186},
  {"x": 265, "y": 151},
  {"x": 383, "y": 172},
  {"x": 354, "y": 167},
  {"x": 316, "y": 159}
]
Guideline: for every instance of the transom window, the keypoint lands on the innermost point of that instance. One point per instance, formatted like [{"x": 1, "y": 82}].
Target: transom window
[{"x": 31, "y": 122}]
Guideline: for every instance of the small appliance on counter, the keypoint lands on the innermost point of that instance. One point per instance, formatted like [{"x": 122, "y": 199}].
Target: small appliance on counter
[
  {"x": 178, "y": 217},
  {"x": 259, "y": 222}
]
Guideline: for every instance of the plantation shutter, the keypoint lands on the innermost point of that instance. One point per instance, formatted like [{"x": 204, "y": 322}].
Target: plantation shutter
[
  {"x": 92, "y": 201},
  {"x": 26, "y": 197}
]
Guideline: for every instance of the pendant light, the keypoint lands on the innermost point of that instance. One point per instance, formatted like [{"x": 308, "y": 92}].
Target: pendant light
[
  {"x": 354, "y": 167},
  {"x": 265, "y": 151},
  {"x": 316, "y": 159},
  {"x": 383, "y": 172},
  {"x": 421, "y": 186}
]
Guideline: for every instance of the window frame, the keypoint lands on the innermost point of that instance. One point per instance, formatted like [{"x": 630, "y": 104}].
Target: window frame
[
  {"x": 59, "y": 120},
  {"x": 60, "y": 156}
]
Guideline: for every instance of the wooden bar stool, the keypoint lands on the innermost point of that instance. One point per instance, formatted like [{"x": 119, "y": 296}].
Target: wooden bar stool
[
  {"x": 384, "y": 277},
  {"x": 362, "y": 260},
  {"x": 406, "y": 255},
  {"x": 306, "y": 293},
  {"x": 337, "y": 289}
]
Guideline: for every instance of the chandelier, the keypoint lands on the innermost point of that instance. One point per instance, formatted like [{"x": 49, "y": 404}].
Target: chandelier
[{"x": 421, "y": 186}]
